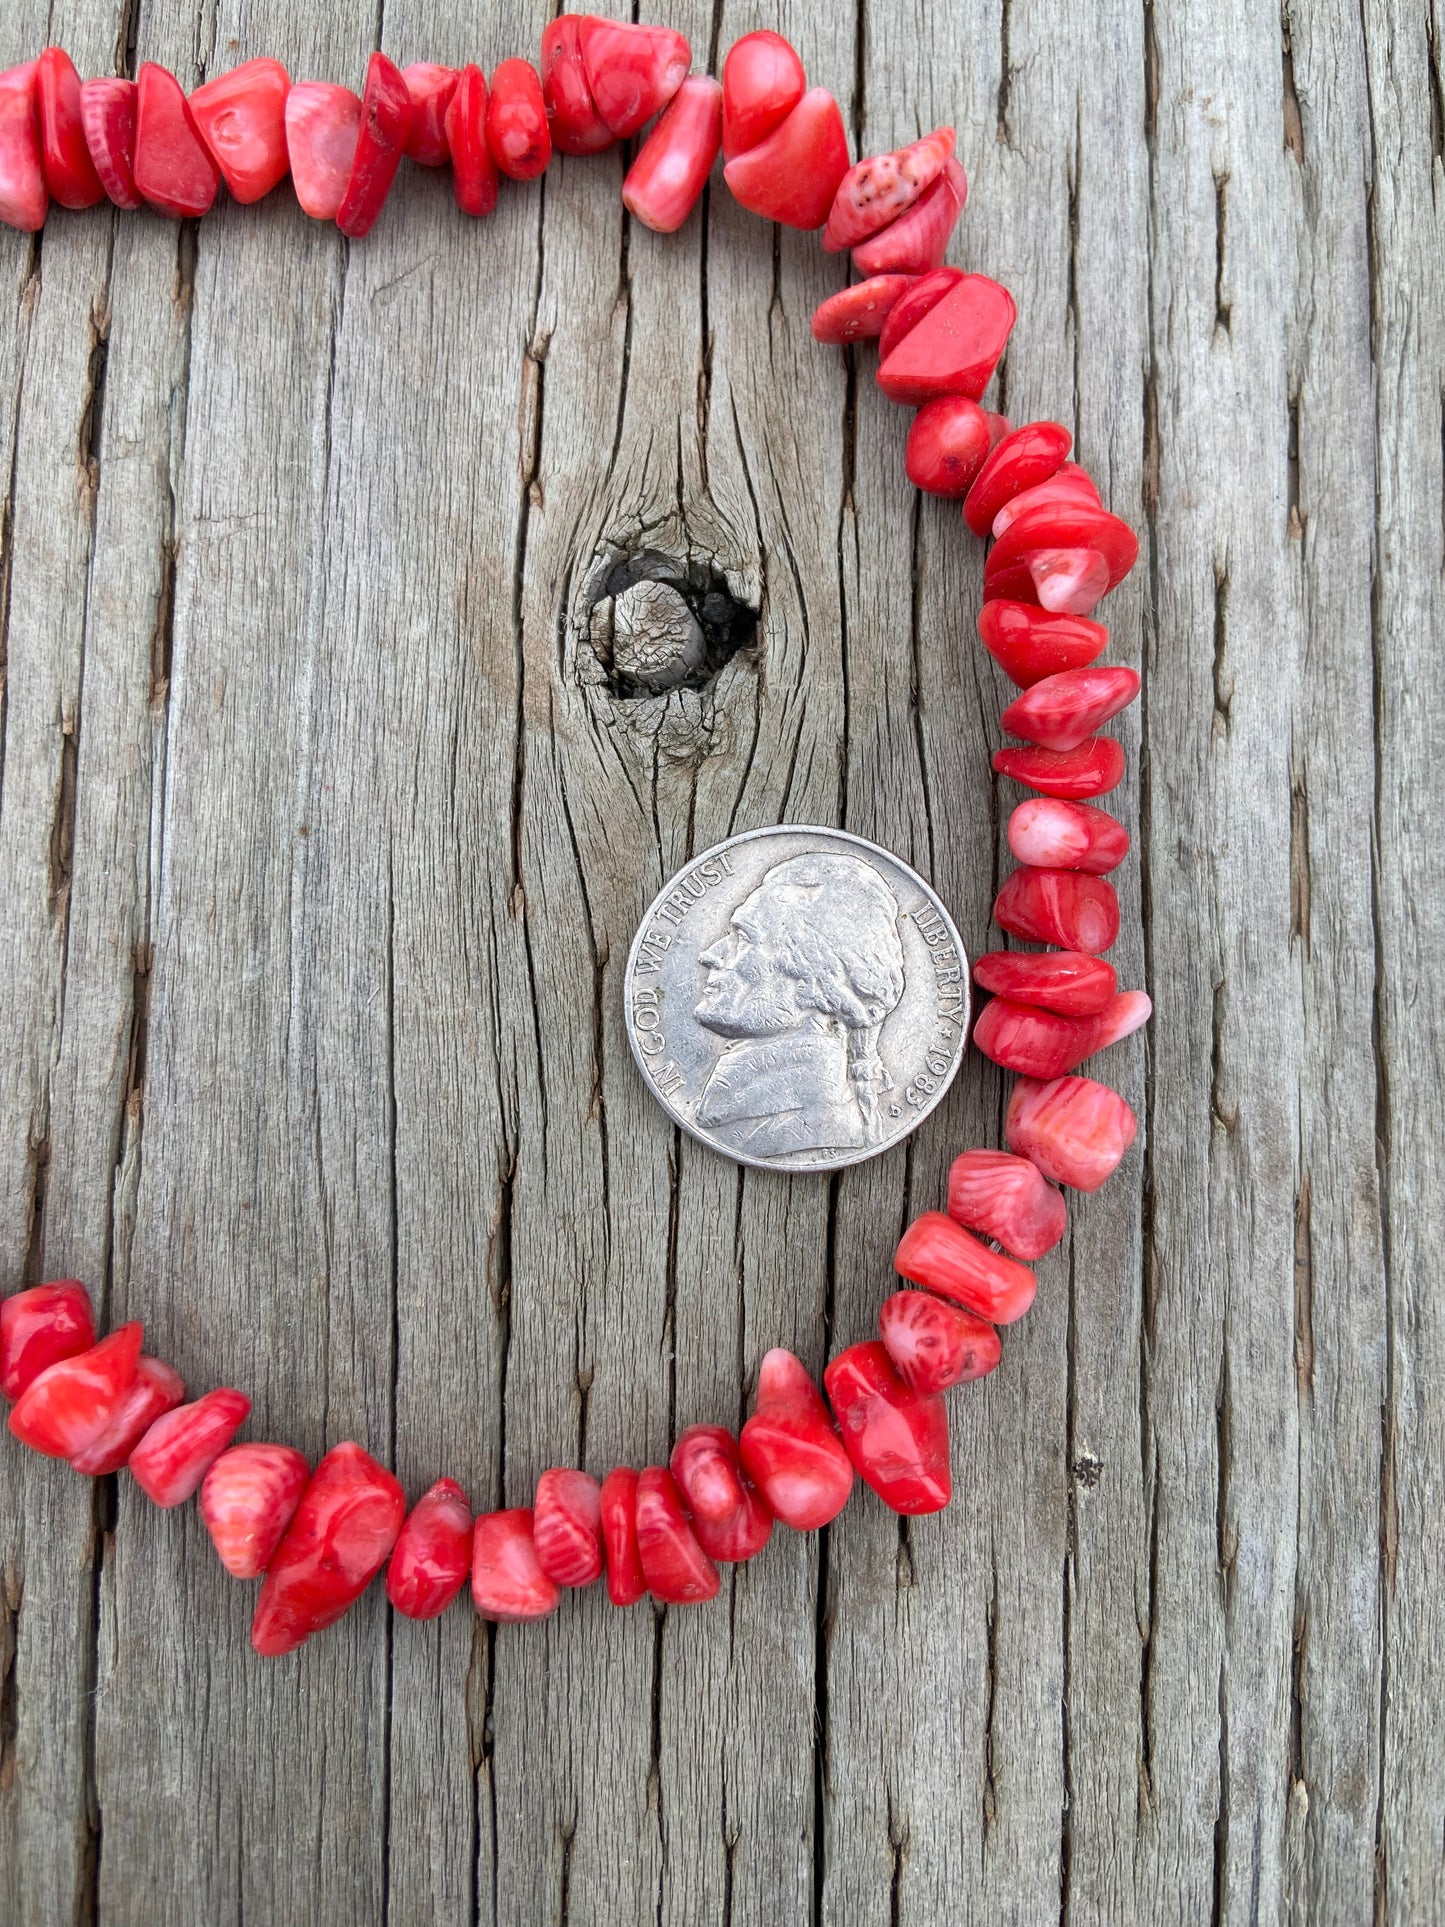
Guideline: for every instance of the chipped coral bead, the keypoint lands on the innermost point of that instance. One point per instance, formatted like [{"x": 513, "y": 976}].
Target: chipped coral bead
[
  {"x": 1124, "y": 1014},
  {"x": 625, "y": 1581},
  {"x": 1039, "y": 1043},
  {"x": 1052, "y": 834},
  {"x": 474, "y": 172},
  {"x": 24, "y": 197},
  {"x": 68, "y": 1406},
  {"x": 1093, "y": 769},
  {"x": 859, "y": 313},
  {"x": 923, "y": 296},
  {"x": 517, "y": 131},
  {"x": 323, "y": 126},
  {"x": 955, "y": 348},
  {"x": 577, "y": 127},
  {"x": 386, "y": 117},
  {"x": 1068, "y": 981},
  {"x": 1061, "y": 712},
  {"x": 875, "y": 192},
  {"x": 730, "y": 1517},
  {"x": 793, "y": 174},
  {"x": 790, "y": 1449},
  {"x": 247, "y": 1501},
  {"x": 508, "y": 1583},
  {"x": 947, "y": 444},
  {"x": 107, "y": 112},
  {"x": 173, "y": 167},
  {"x": 632, "y": 71},
  {"x": 1074, "y": 1130},
  {"x": 567, "y": 1526},
  {"x": 1070, "y": 486},
  {"x": 339, "y": 1538},
  {"x": 1005, "y": 1198},
  {"x": 429, "y": 88},
  {"x": 154, "y": 1390},
  {"x": 898, "y": 1442},
  {"x": 1065, "y": 907},
  {"x": 1029, "y": 643},
  {"x": 1022, "y": 460},
  {"x": 934, "y": 1344},
  {"x": 917, "y": 241},
  {"x": 433, "y": 1553},
  {"x": 182, "y": 1445},
  {"x": 41, "y": 1327},
  {"x": 676, "y": 1568},
  {"x": 666, "y": 180},
  {"x": 763, "y": 81},
  {"x": 242, "y": 119},
  {"x": 69, "y": 171},
  {"x": 1058, "y": 542},
  {"x": 942, "y": 1257}
]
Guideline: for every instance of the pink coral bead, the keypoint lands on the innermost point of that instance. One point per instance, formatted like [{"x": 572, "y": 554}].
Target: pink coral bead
[
  {"x": 1052, "y": 834},
  {"x": 1073, "y": 1129}
]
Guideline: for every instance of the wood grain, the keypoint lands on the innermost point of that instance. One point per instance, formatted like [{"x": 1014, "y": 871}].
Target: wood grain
[{"x": 322, "y": 840}]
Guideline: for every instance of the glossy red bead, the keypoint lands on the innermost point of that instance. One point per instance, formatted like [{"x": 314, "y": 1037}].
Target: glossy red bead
[
  {"x": 632, "y": 71},
  {"x": 242, "y": 120},
  {"x": 517, "y": 130},
  {"x": 1074, "y": 1130},
  {"x": 181, "y": 1446},
  {"x": 1053, "y": 834},
  {"x": 1005, "y": 1198},
  {"x": 676, "y": 1568},
  {"x": 154, "y": 1390},
  {"x": 763, "y": 81},
  {"x": 922, "y": 297},
  {"x": 934, "y": 1344},
  {"x": 577, "y": 127},
  {"x": 858, "y": 313},
  {"x": 69, "y": 1405},
  {"x": 567, "y": 1526},
  {"x": 1093, "y": 769},
  {"x": 174, "y": 171},
  {"x": 107, "y": 112},
  {"x": 1029, "y": 455},
  {"x": 1054, "y": 541},
  {"x": 1070, "y": 487},
  {"x": 474, "y": 172},
  {"x": 874, "y": 192},
  {"x": 24, "y": 197},
  {"x": 323, "y": 126},
  {"x": 247, "y": 1501},
  {"x": 793, "y": 174},
  {"x": 1059, "y": 906},
  {"x": 625, "y": 1581},
  {"x": 1068, "y": 981},
  {"x": 385, "y": 129},
  {"x": 947, "y": 445},
  {"x": 1029, "y": 643},
  {"x": 789, "y": 1447},
  {"x": 942, "y": 1257},
  {"x": 508, "y": 1583},
  {"x": 39, "y": 1328},
  {"x": 955, "y": 348},
  {"x": 1061, "y": 712},
  {"x": 1038, "y": 1043},
  {"x": 897, "y": 1441},
  {"x": 665, "y": 182},
  {"x": 730, "y": 1517},
  {"x": 1125, "y": 1014},
  {"x": 339, "y": 1538},
  {"x": 69, "y": 171},
  {"x": 433, "y": 1553},
  {"x": 917, "y": 241}
]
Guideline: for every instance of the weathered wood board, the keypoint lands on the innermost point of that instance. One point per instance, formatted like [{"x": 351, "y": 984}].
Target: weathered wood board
[{"x": 321, "y": 844}]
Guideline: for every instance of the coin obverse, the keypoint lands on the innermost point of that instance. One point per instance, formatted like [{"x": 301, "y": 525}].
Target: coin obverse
[{"x": 798, "y": 999}]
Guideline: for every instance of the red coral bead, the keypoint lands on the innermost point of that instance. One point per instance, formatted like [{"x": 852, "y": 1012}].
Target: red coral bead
[
  {"x": 508, "y": 1583},
  {"x": 474, "y": 172},
  {"x": 242, "y": 118},
  {"x": 323, "y": 126},
  {"x": 39, "y": 1328},
  {"x": 24, "y": 197},
  {"x": 676, "y": 1568},
  {"x": 763, "y": 81},
  {"x": 792, "y": 176},
  {"x": 1045, "y": 557},
  {"x": 874, "y": 192},
  {"x": 897, "y": 1441},
  {"x": 947, "y": 444},
  {"x": 107, "y": 112},
  {"x": 1006, "y": 1198},
  {"x": 921, "y": 299},
  {"x": 433, "y": 1553},
  {"x": 517, "y": 131},
  {"x": 567, "y": 1526},
  {"x": 174, "y": 171},
  {"x": 732, "y": 1521},
  {"x": 577, "y": 127},
  {"x": 632, "y": 71},
  {"x": 1074, "y": 1130},
  {"x": 664, "y": 183},
  {"x": 385, "y": 128},
  {"x": 917, "y": 241},
  {"x": 790, "y": 1449},
  {"x": 1126, "y": 1013},
  {"x": 1061, "y": 712},
  {"x": 934, "y": 1345},
  {"x": 1028, "y": 643},
  {"x": 1029, "y": 455},
  {"x": 181, "y": 1446},
  {"x": 1053, "y": 834},
  {"x": 69, "y": 1405},
  {"x": 1093, "y": 769},
  {"x": 1068, "y": 981},
  {"x": 859, "y": 313},
  {"x": 69, "y": 171},
  {"x": 1037, "y": 1042},
  {"x": 247, "y": 1501},
  {"x": 1059, "y": 906},
  {"x": 339, "y": 1538},
  {"x": 955, "y": 348},
  {"x": 625, "y": 1581},
  {"x": 1069, "y": 487},
  {"x": 154, "y": 1390},
  {"x": 429, "y": 88},
  {"x": 941, "y": 1256}
]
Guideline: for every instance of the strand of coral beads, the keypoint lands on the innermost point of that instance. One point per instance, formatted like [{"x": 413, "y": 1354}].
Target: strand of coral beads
[{"x": 316, "y": 1537}]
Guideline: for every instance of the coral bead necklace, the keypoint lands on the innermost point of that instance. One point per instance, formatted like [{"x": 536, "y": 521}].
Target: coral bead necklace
[{"x": 316, "y": 1537}]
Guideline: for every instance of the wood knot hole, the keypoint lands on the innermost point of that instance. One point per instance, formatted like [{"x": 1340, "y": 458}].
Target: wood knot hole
[{"x": 656, "y": 624}]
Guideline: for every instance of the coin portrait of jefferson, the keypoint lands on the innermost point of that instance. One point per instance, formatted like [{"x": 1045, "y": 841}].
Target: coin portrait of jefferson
[{"x": 800, "y": 986}]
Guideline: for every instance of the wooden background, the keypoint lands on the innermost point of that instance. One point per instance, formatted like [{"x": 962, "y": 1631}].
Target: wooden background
[{"x": 320, "y": 849}]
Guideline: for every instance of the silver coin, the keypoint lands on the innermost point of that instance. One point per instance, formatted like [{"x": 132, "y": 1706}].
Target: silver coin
[{"x": 798, "y": 999}]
